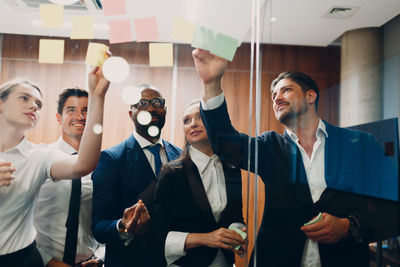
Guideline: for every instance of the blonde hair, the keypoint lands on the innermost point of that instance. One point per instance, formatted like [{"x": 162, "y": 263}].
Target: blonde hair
[{"x": 8, "y": 87}]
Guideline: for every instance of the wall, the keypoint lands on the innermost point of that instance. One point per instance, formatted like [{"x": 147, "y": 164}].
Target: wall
[{"x": 19, "y": 59}]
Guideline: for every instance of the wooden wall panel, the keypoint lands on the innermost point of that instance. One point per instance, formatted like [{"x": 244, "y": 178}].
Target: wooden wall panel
[{"x": 19, "y": 59}]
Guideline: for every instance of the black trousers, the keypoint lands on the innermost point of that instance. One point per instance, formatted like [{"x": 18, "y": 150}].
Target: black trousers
[{"x": 26, "y": 257}]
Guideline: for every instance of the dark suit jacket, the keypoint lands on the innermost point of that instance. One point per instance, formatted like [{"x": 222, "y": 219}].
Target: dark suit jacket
[
  {"x": 181, "y": 204},
  {"x": 122, "y": 177},
  {"x": 353, "y": 165}
]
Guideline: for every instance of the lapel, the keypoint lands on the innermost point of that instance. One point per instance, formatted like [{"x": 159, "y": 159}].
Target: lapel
[
  {"x": 170, "y": 151},
  {"x": 197, "y": 188},
  {"x": 136, "y": 159}
]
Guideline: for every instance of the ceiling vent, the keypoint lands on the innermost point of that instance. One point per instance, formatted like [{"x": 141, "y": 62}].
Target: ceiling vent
[
  {"x": 341, "y": 12},
  {"x": 81, "y": 5}
]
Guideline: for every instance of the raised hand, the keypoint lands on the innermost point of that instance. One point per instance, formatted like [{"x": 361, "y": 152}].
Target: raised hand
[
  {"x": 329, "y": 230},
  {"x": 210, "y": 68},
  {"x": 98, "y": 84}
]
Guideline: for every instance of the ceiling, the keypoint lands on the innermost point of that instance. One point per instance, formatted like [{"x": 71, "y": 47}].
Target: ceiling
[{"x": 298, "y": 22}]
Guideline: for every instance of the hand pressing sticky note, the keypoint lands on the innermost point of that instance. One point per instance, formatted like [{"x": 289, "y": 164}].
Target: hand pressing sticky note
[
  {"x": 96, "y": 54},
  {"x": 82, "y": 27},
  {"x": 183, "y": 29},
  {"x": 203, "y": 38},
  {"x": 161, "y": 54},
  {"x": 51, "y": 51},
  {"x": 52, "y": 16},
  {"x": 315, "y": 220},
  {"x": 224, "y": 46}
]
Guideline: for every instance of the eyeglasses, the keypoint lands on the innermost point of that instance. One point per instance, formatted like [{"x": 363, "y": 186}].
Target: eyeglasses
[{"x": 155, "y": 102}]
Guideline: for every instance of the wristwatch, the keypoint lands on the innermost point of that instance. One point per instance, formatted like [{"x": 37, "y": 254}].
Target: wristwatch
[
  {"x": 354, "y": 229},
  {"x": 121, "y": 227}
]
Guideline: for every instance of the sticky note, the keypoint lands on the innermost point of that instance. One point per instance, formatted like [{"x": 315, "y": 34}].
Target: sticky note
[
  {"x": 161, "y": 54},
  {"x": 82, "y": 27},
  {"x": 146, "y": 29},
  {"x": 52, "y": 16},
  {"x": 114, "y": 7},
  {"x": 203, "y": 38},
  {"x": 240, "y": 232},
  {"x": 183, "y": 29},
  {"x": 51, "y": 51},
  {"x": 96, "y": 54},
  {"x": 315, "y": 220},
  {"x": 120, "y": 31},
  {"x": 224, "y": 46}
]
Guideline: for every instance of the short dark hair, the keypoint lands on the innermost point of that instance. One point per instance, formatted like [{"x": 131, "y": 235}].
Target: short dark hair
[
  {"x": 66, "y": 93},
  {"x": 8, "y": 87},
  {"x": 305, "y": 81}
]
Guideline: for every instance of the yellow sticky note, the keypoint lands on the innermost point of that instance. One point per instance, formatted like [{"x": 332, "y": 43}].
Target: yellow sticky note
[
  {"x": 51, "y": 51},
  {"x": 183, "y": 29},
  {"x": 161, "y": 54},
  {"x": 52, "y": 16},
  {"x": 82, "y": 27},
  {"x": 96, "y": 54}
]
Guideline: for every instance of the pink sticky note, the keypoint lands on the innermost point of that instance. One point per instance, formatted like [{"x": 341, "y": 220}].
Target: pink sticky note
[
  {"x": 114, "y": 7},
  {"x": 120, "y": 31},
  {"x": 146, "y": 29}
]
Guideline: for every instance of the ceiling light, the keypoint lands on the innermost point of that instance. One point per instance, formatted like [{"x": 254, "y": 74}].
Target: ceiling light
[{"x": 273, "y": 19}]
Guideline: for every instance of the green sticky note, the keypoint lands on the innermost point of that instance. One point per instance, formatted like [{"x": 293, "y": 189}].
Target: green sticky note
[
  {"x": 315, "y": 220},
  {"x": 224, "y": 46},
  {"x": 240, "y": 232},
  {"x": 203, "y": 38}
]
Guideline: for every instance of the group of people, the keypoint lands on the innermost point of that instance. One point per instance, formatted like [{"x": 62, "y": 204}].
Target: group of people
[{"x": 152, "y": 204}]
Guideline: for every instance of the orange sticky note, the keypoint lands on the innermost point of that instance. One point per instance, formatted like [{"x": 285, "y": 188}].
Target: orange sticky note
[
  {"x": 51, "y": 51},
  {"x": 52, "y": 16},
  {"x": 146, "y": 29},
  {"x": 96, "y": 54},
  {"x": 82, "y": 27},
  {"x": 120, "y": 31},
  {"x": 114, "y": 7},
  {"x": 161, "y": 55},
  {"x": 183, "y": 29}
]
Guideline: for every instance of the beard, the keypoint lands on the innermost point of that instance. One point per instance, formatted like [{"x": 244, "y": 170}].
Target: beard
[{"x": 292, "y": 114}]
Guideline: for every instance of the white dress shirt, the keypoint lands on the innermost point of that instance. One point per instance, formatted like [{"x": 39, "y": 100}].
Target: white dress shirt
[
  {"x": 17, "y": 201},
  {"x": 144, "y": 143},
  {"x": 213, "y": 178},
  {"x": 315, "y": 171},
  {"x": 52, "y": 211}
]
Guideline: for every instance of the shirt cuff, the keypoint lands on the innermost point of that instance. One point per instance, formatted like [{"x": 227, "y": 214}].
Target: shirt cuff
[
  {"x": 175, "y": 246},
  {"x": 213, "y": 103},
  {"x": 125, "y": 237},
  {"x": 45, "y": 257}
]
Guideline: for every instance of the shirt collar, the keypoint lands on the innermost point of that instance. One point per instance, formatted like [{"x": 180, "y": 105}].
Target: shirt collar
[
  {"x": 64, "y": 146},
  {"x": 200, "y": 159},
  {"x": 321, "y": 129},
  {"x": 143, "y": 142},
  {"x": 23, "y": 147}
]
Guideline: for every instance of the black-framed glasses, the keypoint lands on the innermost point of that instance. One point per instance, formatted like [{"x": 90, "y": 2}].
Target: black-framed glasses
[{"x": 156, "y": 102}]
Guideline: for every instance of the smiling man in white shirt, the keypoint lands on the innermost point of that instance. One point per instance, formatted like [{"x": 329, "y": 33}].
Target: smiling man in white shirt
[{"x": 54, "y": 198}]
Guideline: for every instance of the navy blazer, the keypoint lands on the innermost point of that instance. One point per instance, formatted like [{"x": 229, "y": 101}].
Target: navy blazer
[
  {"x": 122, "y": 177},
  {"x": 354, "y": 163},
  {"x": 181, "y": 204}
]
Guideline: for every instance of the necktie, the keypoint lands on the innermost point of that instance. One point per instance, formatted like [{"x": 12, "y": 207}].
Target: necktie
[
  {"x": 72, "y": 223},
  {"x": 155, "y": 150}
]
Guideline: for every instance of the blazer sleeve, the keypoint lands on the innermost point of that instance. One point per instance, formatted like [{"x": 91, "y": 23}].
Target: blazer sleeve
[
  {"x": 106, "y": 203},
  {"x": 231, "y": 146}
]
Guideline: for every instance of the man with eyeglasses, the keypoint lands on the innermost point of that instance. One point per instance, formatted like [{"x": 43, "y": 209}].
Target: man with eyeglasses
[{"x": 124, "y": 181}]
